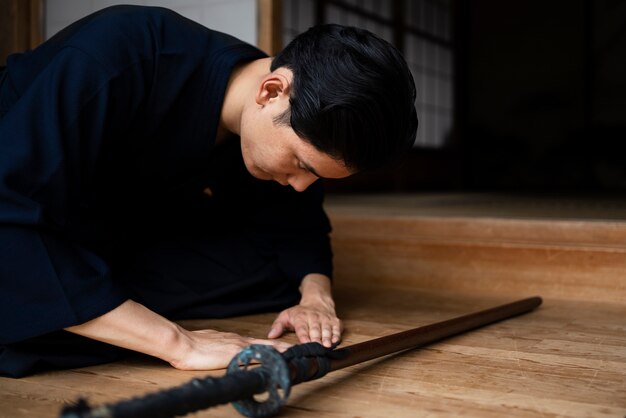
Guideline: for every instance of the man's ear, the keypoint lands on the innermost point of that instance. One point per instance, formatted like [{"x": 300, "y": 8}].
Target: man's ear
[{"x": 273, "y": 86}]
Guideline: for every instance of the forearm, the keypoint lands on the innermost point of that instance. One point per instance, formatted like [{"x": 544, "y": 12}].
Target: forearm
[{"x": 135, "y": 327}]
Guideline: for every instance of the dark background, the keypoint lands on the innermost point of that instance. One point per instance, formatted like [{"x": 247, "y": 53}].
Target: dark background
[
  {"x": 540, "y": 102},
  {"x": 539, "y": 89}
]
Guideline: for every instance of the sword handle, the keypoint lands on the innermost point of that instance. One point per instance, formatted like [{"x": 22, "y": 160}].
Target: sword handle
[{"x": 238, "y": 386}]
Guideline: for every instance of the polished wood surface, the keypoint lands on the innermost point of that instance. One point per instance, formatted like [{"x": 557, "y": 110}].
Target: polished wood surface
[
  {"x": 564, "y": 359},
  {"x": 567, "y": 248},
  {"x": 567, "y": 358}
]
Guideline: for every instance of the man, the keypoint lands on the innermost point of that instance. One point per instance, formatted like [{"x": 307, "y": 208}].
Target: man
[{"x": 133, "y": 149}]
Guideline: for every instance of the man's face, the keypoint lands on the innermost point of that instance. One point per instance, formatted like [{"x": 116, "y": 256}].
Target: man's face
[{"x": 273, "y": 151}]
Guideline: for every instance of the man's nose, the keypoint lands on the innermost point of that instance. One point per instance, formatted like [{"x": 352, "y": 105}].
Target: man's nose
[{"x": 300, "y": 182}]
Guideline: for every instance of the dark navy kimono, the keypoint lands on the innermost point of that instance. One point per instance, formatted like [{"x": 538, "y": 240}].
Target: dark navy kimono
[{"x": 107, "y": 150}]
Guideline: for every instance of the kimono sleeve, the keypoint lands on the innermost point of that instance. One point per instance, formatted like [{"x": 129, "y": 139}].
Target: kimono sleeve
[{"x": 50, "y": 140}]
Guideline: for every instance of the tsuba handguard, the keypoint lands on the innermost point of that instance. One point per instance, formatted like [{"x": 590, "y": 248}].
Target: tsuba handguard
[
  {"x": 275, "y": 370},
  {"x": 300, "y": 363}
]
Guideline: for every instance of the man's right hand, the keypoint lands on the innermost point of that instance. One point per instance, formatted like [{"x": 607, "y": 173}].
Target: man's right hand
[
  {"x": 209, "y": 349},
  {"x": 135, "y": 327}
]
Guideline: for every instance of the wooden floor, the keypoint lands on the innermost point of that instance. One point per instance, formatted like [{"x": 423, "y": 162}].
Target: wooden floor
[{"x": 566, "y": 359}]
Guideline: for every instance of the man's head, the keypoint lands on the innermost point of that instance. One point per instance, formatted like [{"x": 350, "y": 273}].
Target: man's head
[
  {"x": 352, "y": 95},
  {"x": 337, "y": 100}
]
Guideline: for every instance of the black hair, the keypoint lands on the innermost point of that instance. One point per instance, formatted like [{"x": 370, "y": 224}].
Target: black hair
[{"x": 352, "y": 97}]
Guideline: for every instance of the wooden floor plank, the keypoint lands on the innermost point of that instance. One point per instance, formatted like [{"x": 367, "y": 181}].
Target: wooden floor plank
[{"x": 564, "y": 359}]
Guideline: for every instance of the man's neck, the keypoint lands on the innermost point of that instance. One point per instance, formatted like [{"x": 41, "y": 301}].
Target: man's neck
[{"x": 242, "y": 85}]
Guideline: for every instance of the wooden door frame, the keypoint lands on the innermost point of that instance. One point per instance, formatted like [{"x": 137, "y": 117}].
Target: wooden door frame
[
  {"x": 21, "y": 26},
  {"x": 269, "y": 26}
]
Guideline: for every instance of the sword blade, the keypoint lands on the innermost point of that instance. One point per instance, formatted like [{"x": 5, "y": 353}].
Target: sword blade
[{"x": 428, "y": 334}]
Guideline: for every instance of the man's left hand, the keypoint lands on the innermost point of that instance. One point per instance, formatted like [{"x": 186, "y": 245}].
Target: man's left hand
[{"x": 314, "y": 318}]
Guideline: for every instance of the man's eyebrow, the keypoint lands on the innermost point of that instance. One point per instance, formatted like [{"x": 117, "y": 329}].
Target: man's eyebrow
[{"x": 311, "y": 169}]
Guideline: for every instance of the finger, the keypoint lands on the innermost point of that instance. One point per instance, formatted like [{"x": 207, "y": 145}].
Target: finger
[
  {"x": 280, "y": 325},
  {"x": 327, "y": 335},
  {"x": 315, "y": 333},
  {"x": 279, "y": 345},
  {"x": 276, "y": 330},
  {"x": 282, "y": 346},
  {"x": 336, "y": 333},
  {"x": 302, "y": 332}
]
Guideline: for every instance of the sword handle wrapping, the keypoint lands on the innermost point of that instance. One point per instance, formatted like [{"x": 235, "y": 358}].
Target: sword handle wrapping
[
  {"x": 238, "y": 386},
  {"x": 193, "y": 396}
]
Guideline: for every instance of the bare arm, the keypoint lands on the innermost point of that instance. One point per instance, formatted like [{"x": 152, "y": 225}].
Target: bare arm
[
  {"x": 314, "y": 318},
  {"x": 135, "y": 327}
]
